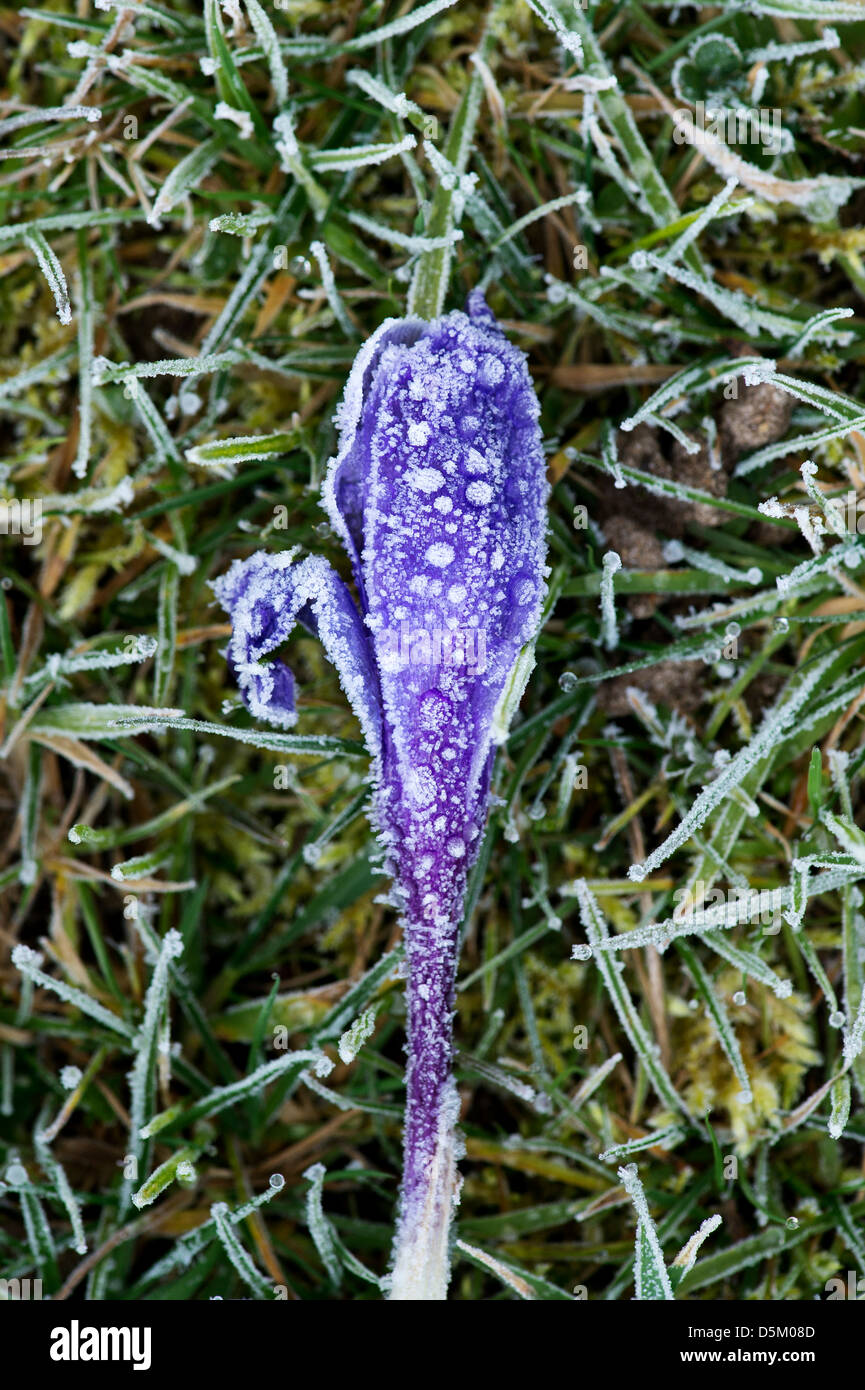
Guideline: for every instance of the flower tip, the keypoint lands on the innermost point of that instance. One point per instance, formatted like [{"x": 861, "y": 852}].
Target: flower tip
[{"x": 479, "y": 311}]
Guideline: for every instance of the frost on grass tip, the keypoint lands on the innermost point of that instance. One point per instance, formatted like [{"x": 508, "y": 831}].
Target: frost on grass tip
[{"x": 438, "y": 494}]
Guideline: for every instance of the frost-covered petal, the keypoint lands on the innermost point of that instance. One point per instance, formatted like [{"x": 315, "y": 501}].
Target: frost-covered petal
[
  {"x": 454, "y": 497},
  {"x": 266, "y": 596},
  {"x": 344, "y": 491}
]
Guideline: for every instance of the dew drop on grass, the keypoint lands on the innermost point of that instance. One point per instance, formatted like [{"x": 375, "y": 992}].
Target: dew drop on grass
[
  {"x": 581, "y": 953},
  {"x": 299, "y": 267},
  {"x": 782, "y": 625},
  {"x": 739, "y": 997},
  {"x": 568, "y": 681},
  {"x": 837, "y": 1019},
  {"x": 792, "y": 1223}
]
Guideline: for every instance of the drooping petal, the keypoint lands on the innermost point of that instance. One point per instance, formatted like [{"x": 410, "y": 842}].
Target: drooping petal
[{"x": 266, "y": 596}]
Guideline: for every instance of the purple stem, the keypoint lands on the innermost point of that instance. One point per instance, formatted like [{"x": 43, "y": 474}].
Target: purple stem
[{"x": 430, "y": 1182}]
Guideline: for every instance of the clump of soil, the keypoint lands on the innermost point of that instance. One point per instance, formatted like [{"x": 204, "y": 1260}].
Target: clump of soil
[
  {"x": 676, "y": 684},
  {"x": 759, "y": 415}
]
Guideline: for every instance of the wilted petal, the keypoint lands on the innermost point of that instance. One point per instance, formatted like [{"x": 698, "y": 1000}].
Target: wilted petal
[{"x": 266, "y": 596}]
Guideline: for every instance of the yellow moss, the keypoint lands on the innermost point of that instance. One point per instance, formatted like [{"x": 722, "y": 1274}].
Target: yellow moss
[
  {"x": 777, "y": 1044},
  {"x": 555, "y": 991}
]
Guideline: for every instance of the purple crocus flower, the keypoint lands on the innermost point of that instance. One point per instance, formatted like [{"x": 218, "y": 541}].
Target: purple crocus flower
[{"x": 438, "y": 494}]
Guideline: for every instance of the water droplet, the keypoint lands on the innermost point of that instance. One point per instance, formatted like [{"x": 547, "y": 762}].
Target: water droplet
[
  {"x": 782, "y": 625},
  {"x": 739, "y": 997},
  {"x": 440, "y": 554},
  {"x": 479, "y": 493},
  {"x": 418, "y": 433},
  {"x": 792, "y": 1223},
  {"x": 426, "y": 480},
  {"x": 581, "y": 953},
  {"x": 5, "y": 582},
  {"x": 474, "y": 462},
  {"x": 492, "y": 371},
  {"x": 467, "y": 427},
  {"x": 568, "y": 681},
  {"x": 522, "y": 588},
  {"x": 536, "y": 812},
  {"x": 16, "y": 1175},
  {"x": 837, "y": 1019},
  {"x": 277, "y": 1182},
  {"x": 733, "y": 629},
  {"x": 299, "y": 267}
]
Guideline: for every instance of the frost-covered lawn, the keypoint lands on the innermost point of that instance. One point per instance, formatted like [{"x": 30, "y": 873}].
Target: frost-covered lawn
[{"x": 205, "y": 212}]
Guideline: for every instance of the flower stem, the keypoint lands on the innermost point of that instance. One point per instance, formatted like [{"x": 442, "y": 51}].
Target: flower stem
[{"x": 430, "y": 1182}]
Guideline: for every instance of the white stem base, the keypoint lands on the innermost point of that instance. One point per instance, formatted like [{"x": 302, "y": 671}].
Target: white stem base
[{"x": 421, "y": 1271}]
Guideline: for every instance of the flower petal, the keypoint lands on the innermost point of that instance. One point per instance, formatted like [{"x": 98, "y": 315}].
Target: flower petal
[
  {"x": 344, "y": 491},
  {"x": 266, "y": 596},
  {"x": 448, "y": 450}
]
